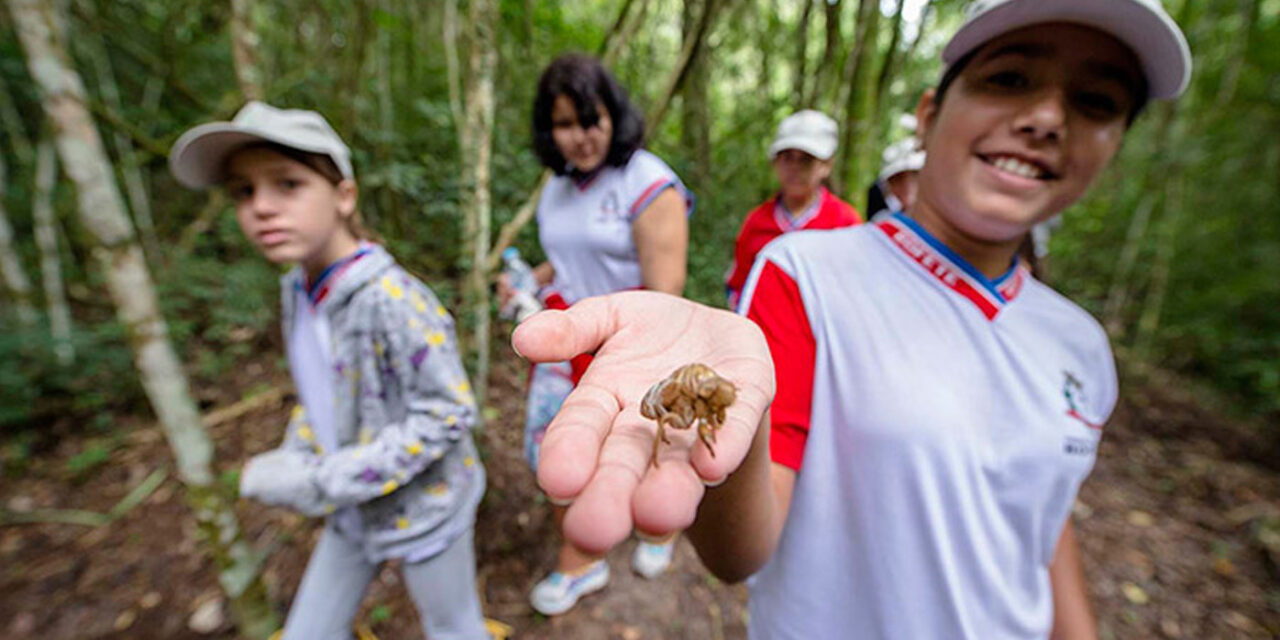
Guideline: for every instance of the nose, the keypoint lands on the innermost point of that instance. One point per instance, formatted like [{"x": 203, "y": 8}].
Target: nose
[
  {"x": 1044, "y": 117},
  {"x": 577, "y": 134},
  {"x": 261, "y": 204}
]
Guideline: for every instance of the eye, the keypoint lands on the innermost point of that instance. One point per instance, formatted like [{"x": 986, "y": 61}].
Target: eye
[
  {"x": 1098, "y": 104},
  {"x": 289, "y": 184},
  {"x": 1008, "y": 80},
  {"x": 239, "y": 192}
]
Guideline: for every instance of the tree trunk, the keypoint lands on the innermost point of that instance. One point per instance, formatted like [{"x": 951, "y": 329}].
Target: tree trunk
[
  {"x": 1113, "y": 312},
  {"x": 802, "y": 53},
  {"x": 609, "y": 47},
  {"x": 1231, "y": 76},
  {"x": 129, "y": 282},
  {"x": 15, "y": 277},
  {"x": 18, "y": 140},
  {"x": 94, "y": 49},
  {"x": 829, "y": 66},
  {"x": 1166, "y": 248},
  {"x": 475, "y": 143},
  {"x": 853, "y": 127},
  {"x": 695, "y": 112},
  {"x": 925, "y": 12},
  {"x": 1122, "y": 282},
  {"x": 890, "y": 63},
  {"x": 244, "y": 50},
  {"x": 46, "y": 234},
  {"x": 770, "y": 24},
  {"x": 688, "y": 52}
]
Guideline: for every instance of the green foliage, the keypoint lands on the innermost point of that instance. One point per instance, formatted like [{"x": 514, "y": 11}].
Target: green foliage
[
  {"x": 378, "y": 72},
  {"x": 89, "y": 459}
]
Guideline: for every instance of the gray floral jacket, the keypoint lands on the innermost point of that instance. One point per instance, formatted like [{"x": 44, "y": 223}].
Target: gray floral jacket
[{"x": 403, "y": 411}]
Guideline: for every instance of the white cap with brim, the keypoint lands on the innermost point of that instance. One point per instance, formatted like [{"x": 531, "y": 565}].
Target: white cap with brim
[
  {"x": 1142, "y": 25},
  {"x": 812, "y": 132},
  {"x": 899, "y": 157},
  {"x": 199, "y": 157}
]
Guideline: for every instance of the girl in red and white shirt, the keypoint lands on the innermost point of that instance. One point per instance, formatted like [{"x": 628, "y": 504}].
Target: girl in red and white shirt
[
  {"x": 932, "y": 425},
  {"x": 801, "y": 154}
]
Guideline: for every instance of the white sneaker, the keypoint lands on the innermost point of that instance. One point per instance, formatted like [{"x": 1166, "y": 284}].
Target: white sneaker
[
  {"x": 558, "y": 592},
  {"x": 650, "y": 559}
]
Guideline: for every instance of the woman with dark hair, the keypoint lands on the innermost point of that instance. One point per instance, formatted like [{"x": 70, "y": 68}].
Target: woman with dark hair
[{"x": 614, "y": 218}]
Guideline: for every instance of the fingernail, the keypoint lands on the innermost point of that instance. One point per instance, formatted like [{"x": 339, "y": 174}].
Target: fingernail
[
  {"x": 714, "y": 483},
  {"x": 517, "y": 350},
  {"x": 560, "y": 502}
]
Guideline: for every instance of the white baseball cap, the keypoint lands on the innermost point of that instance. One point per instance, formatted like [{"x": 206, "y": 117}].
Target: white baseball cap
[
  {"x": 1142, "y": 25},
  {"x": 199, "y": 157},
  {"x": 903, "y": 155},
  {"x": 812, "y": 132}
]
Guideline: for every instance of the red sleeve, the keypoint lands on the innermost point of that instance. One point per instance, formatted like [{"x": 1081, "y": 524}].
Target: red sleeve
[
  {"x": 776, "y": 306},
  {"x": 757, "y": 230}
]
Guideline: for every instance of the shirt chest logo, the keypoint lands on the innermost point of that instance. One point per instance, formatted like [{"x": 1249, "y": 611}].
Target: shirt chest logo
[
  {"x": 1074, "y": 397},
  {"x": 611, "y": 210}
]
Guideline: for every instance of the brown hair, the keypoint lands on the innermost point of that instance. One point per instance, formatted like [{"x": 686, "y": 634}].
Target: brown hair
[{"x": 328, "y": 169}]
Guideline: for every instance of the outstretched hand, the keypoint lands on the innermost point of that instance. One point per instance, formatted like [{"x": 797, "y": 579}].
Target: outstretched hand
[{"x": 597, "y": 450}]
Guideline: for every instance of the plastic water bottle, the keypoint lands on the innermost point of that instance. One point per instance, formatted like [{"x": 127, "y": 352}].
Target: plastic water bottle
[{"x": 524, "y": 299}]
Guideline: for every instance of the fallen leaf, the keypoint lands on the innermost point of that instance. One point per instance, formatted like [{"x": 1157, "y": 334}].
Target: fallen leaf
[
  {"x": 23, "y": 624},
  {"x": 21, "y": 504},
  {"x": 125, "y": 620},
  {"x": 208, "y": 617},
  {"x": 150, "y": 600},
  {"x": 1170, "y": 628},
  {"x": 1241, "y": 622},
  {"x": 1133, "y": 593},
  {"x": 1141, "y": 519},
  {"x": 1222, "y": 565}
]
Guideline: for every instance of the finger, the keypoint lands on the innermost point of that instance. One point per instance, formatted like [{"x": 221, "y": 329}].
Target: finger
[
  {"x": 568, "y": 455},
  {"x": 733, "y": 440},
  {"x": 551, "y": 336},
  {"x": 601, "y": 515},
  {"x": 667, "y": 499}
]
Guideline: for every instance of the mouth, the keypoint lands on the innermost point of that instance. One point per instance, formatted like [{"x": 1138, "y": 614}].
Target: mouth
[
  {"x": 1019, "y": 166},
  {"x": 273, "y": 237}
]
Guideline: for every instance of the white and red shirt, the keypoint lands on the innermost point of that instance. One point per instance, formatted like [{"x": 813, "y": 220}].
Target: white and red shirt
[
  {"x": 940, "y": 424},
  {"x": 585, "y": 226},
  {"x": 772, "y": 219}
]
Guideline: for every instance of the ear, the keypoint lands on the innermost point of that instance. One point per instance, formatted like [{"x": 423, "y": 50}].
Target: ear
[
  {"x": 825, "y": 168},
  {"x": 926, "y": 112},
  {"x": 348, "y": 195}
]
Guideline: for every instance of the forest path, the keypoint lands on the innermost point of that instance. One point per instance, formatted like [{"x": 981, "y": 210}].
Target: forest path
[{"x": 1180, "y": 533}]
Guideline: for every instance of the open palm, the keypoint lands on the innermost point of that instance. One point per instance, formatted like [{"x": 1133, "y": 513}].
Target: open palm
[{"x": 597, "y": 449}]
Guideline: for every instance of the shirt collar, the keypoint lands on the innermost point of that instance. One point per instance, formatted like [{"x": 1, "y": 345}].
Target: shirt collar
[
  {"x": 788, "y": 221},
  {"x": 954, "y": 272},
  {"x": 318, "y": 289}
]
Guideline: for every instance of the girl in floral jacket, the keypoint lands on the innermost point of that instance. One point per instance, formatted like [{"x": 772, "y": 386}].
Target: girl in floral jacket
[{"x": 380, "y": 442}]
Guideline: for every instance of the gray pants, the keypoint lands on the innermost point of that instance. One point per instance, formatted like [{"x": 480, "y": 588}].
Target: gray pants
[{"x": 442, "y": 587}]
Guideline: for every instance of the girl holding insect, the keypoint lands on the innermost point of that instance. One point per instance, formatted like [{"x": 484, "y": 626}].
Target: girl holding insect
[
  {"x": 937, "y": 407},
  {"x": 380, "y": 442}
]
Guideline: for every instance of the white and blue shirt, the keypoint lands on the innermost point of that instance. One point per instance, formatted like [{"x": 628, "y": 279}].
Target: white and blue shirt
[{"x": 585, "y": 226}]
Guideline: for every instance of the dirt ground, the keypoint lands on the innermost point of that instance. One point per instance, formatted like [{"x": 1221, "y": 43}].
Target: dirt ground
[{"x": 1179, "y": 523}]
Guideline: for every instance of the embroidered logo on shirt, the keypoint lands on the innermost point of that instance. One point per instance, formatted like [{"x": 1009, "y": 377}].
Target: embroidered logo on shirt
[
  {"x": 1073, "y": 392},
  {"x": 611, "y": 208}
]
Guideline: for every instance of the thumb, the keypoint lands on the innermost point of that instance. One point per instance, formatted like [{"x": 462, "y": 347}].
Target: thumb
[{"x": 552, "y": 335}]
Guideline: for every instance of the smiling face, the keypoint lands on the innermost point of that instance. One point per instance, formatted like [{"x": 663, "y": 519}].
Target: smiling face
[
  {"x": 583, "y": 147},
  {"x": 1024, "y": 130},
  {"x": 799, "y": 174},
  {"x": 291, "y": 212}
]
